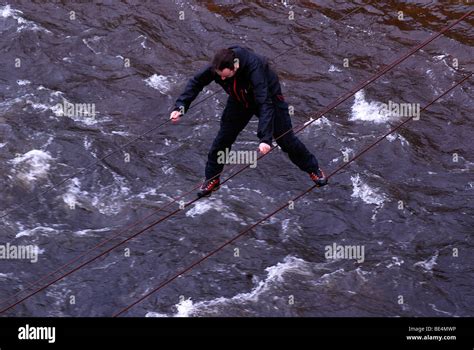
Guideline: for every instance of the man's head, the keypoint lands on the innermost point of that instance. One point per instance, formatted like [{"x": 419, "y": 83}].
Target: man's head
[{"x": 225, "y": 63}]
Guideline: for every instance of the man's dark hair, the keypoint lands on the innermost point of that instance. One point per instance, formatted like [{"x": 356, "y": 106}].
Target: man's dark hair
[{"x": 224, "y": 58}]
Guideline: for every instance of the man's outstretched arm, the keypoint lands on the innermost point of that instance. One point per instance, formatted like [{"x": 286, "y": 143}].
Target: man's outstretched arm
[
  {"x": 263, "y": 101},
  {"x": 193, "y": 88}
]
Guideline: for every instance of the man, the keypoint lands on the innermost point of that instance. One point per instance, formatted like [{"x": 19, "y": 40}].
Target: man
[{"x": 253, "y": 88}]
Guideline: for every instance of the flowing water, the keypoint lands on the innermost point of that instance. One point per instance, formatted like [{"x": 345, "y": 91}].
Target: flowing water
[{"x": 405, "y": 202}]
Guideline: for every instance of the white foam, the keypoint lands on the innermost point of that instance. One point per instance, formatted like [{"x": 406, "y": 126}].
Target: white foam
[
  {"x": 396, "y": 261},
  {"x": 6, "y": 11},
  {"x": 143, "y": 41},
  {"x": 32, "y": 165},
  {"x": 23, "y": 24},
  {"x": 7, "y": 103},
  {"x": 73, "y": 191},
  {"x": 109, "y": 201},
  {"x": 433, "y": 306},
  {"x": 23, "y": 82},
  {"x": 368, "y": 111},
  {"x": 440, "y": 57},
  {"x": 185, "y": 308},
  {"x": 87, "y": 232},
  {"x": 39, "y": 106},
  {"x": 320, "y": 122},
  {"x": 334, "y": 69},
  {"x": 200, "y": 208},
  {"x": 121, "y": 133},
  {"x": 346, "y": 152},
  {"x": 103, "y": 267},
  {"x": 94, "y": 40},
  {"x": 87, "y": 143},
  {"x": 366, "y": 193},
  {"x": 428, "y": 264},
  {"x": 286, "y": 3},
  {"x": 36, "y": 231},
  {"x": 275, "y": 275},
  {"x": 330, "y": 275},
  {"x": 167, "y": 170},
  {"x": 6, "y": 275},
  {"x": 435, "y": 78},
  {"x": 150, "y": 191},
  {"x": 155, "y": 314},
  {"x": 288, "y": 228},
  {"x": 285, "y": 225},
  {"x": 395, "y": 136}
]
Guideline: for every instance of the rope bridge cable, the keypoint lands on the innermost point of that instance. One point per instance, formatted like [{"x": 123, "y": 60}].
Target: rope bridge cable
[
  {"x": 95, "y": 247},
  {"x": 70, "y": 262},
  {"x": 197, "y": 262},
  {"x": 330, "y": 107}
]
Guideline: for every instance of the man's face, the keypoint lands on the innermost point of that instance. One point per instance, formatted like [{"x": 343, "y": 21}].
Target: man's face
[{"x": 226, "y": 73}]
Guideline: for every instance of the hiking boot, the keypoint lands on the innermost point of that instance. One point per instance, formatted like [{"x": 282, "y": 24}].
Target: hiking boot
[
  {"x": 208, "y": 187},
  {"x": 319, "y": 178}
]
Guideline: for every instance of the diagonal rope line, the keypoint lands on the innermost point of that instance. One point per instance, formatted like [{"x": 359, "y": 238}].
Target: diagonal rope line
[
  {"x": 327, "y": 109},
  {"x": 199, "y": 261}
]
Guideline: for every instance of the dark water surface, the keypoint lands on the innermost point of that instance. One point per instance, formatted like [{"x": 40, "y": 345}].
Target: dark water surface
[{"x": 422, "y": 253}]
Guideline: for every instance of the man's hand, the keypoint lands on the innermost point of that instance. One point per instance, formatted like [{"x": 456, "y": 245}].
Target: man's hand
[
  {"x": 264, "y": 148},
  {"x": 174, "y": 116}
]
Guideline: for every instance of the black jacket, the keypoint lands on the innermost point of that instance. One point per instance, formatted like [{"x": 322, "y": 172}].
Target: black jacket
[{"x": 255, "y": 85}]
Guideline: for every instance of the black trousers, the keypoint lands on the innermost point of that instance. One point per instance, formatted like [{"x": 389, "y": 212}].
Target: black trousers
[{"x": 234, "y": 119}]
